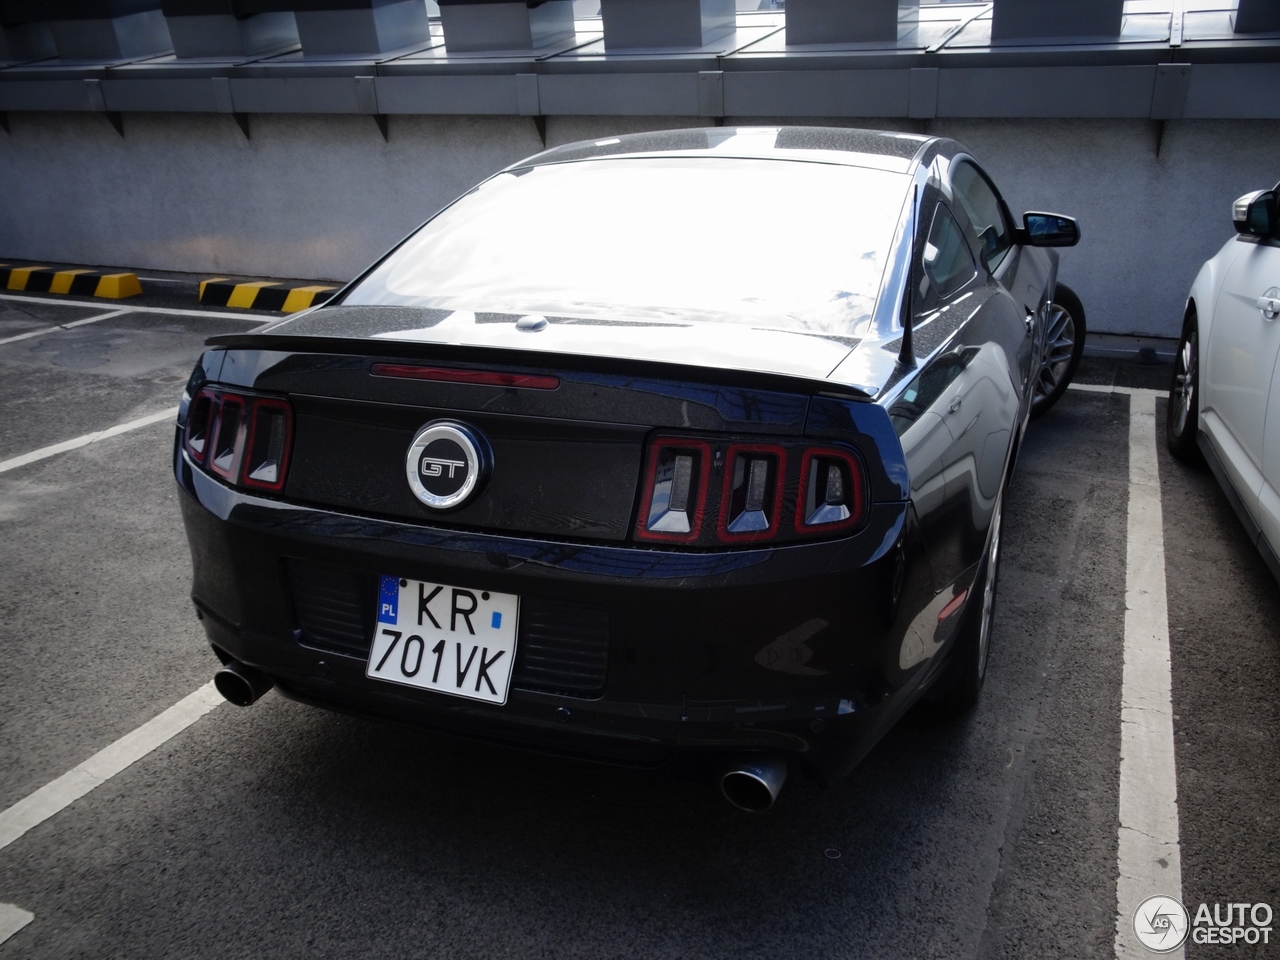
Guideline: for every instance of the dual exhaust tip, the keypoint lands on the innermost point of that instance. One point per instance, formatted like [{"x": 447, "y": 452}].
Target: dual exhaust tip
[{"x": 751, "y": 783}]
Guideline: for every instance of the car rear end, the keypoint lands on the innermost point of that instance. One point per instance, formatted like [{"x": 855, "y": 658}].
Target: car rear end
[
  {"x": 567, "y": 468},
  {"x": 689, "y": 558}
]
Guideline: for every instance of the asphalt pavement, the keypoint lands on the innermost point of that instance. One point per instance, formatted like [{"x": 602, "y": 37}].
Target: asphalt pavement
[{"x": 283, "y": 831}]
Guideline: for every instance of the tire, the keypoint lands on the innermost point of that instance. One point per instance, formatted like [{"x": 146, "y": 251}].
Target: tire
[
  {"x": 960, "y": 685},
  {"x": 1063, "y": 348},
  {"x": 1182, "y": 420}
]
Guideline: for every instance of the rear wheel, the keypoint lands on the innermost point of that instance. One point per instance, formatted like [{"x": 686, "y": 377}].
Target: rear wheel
[
  {"x": 1181, "y": 421},
  {"x": 961, "y": 682},
  {"x": 1063, "y": 348}
]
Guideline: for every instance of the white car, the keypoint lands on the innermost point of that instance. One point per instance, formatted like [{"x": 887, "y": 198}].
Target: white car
[{"x": 1225, "y": 399}]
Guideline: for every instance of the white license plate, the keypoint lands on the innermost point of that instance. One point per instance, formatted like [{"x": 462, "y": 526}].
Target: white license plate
[{"x": 444, "y": 638}]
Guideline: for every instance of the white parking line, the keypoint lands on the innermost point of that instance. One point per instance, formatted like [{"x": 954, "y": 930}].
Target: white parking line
[
  {"x": 1149, "y": 858},
  {"x": 13, "y": 919},
  {"x": 44, "y": 452},
  {"x": 62, "y": 326},
  {"x": 1149, "y": 854},
  {"x": 57, "y": 795},
  {"x": 1108, "y": 388},
  {"x": 176, "y": 311}
]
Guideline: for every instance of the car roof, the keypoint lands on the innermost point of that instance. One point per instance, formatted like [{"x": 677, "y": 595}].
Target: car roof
[{"x": 880, "y": 149}]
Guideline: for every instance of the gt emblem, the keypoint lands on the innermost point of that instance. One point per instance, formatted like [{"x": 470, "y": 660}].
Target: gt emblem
[
  {"x": 446, "y": 464},
  {"x": 434, "y": 468}
]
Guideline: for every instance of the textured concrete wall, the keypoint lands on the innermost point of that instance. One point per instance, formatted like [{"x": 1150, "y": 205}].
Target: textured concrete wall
[
  {"x": 321, "y": 196},
  {"x": 305, "y": 196},
  {"x": 1148, "y": 222}
]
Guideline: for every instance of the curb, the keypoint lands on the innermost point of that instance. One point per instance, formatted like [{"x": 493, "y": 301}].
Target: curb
[
  {"x": 91, "y": 283},
  {"x": 261, "y": 295}
]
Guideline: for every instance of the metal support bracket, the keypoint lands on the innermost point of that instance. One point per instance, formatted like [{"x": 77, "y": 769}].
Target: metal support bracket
[
  {"x": 922, "y": 99},
  {"x": 1169, "y": 96},
  {"x": 711, "y": 93}
]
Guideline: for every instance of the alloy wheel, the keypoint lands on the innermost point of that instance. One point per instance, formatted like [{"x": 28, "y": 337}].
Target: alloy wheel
[
  {"x": 1059, "y": 345},
  {"x": 1184, "y": 383}
]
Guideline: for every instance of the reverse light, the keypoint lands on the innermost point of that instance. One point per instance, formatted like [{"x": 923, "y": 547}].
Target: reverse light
[
  {"x": 676, "y": 491},
  {"x": 751, "y": 503},
  {"x": 242, "y": 438},
  {"x": 831, "y": 491}
]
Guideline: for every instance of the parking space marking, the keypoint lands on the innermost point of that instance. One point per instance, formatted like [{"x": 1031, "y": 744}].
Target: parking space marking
[
  {"x": 34, "y": 809},
  {"x": 1149, "y": 851},
  {"x": 44, "y": 452},
  {"x": 13, "y": 919},
  {"x": 1108, "y": 388},
  {"x": 176, "y": 311},
  {"x": 1148, "y": 858},
  {"x": 62, "y": 326}
]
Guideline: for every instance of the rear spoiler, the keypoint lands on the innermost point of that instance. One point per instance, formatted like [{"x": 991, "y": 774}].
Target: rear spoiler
[{"x": 535, "y": 360}]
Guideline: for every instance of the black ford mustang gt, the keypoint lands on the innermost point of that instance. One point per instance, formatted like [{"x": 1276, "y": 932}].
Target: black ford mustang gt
[{"x": 690, "y": 441}]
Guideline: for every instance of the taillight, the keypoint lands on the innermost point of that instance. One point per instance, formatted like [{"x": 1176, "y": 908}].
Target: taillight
[
  {"x": 831, "y": 495},
  {"x": 268, "y": 444},
  {"x": 227, "y": 437},
  {"x": 676, "y": 491},
  {"x": 751, "y": 492},
  {"x": 244, "y": 439},
  {"x": 199, "y": 420},
  {"x": 751, "y": 502}
]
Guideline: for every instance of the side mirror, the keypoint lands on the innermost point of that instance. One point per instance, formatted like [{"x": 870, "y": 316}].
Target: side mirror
[
  {"x": 1049, "y": 230},
  {"x": 1254, "y": 214}
]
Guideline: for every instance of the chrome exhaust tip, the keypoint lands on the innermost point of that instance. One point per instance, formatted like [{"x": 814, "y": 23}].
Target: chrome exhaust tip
[
  {"x": 240, "y": 683},
  {"x": 752, "y": 783}
]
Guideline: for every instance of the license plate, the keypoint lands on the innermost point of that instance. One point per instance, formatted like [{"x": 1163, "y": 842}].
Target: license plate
[{"x": 444, "y": 638}]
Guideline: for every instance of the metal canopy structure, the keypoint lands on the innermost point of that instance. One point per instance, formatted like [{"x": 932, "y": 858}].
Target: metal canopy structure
[{"x": 1168, "y": 59}]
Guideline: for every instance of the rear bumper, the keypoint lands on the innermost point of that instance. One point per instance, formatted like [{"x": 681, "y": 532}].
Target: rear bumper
[{"x": 793, "y": 649}]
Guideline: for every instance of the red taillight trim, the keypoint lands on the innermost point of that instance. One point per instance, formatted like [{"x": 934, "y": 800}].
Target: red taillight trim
[
  {"x": 236, "y": 472},
  {"x": 211, "y": 398},
  {"x": 857, "y": 486},
  {"x": 490, "y": 378},
  {"x": 215, "y": 435},
  {"x": 269, "y": 403},
  {"x": 779, "y": 485},
  {"x": 656, "y": 446}
]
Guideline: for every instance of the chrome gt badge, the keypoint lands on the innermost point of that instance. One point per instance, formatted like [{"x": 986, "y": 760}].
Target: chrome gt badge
[{"x": 447, "y": 463}]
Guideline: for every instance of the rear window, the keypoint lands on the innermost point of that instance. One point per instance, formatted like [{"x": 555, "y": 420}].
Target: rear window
[{"x": 765, "y": 243}]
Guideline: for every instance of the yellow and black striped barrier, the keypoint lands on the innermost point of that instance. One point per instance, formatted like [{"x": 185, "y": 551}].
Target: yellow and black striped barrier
[
  {"x": 261, "y": 295},
  {"x": 90, "y": 283}
]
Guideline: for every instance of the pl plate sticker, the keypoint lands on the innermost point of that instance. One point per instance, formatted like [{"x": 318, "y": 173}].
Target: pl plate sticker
[{"x": 389, "y": 600}]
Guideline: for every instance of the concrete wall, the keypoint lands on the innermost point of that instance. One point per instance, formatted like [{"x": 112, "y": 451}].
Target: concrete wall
[
  {"x": 1148, "y": 222},
  {"x": 321, "y": 196}
]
